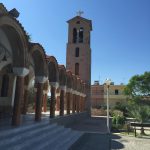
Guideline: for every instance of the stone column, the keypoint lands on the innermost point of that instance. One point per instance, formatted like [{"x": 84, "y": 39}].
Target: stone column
[
  {"x": 38, "y": 105},
  {"x": 81, "y": 108},
  {"x": 80, "y": 103},
  {"x": 67, "y": 103},
  {"x": 52, "y": 102},
  {"x": 20, "y": 73},
  {"x": 58, "y": 102},
  {"x": 73, "y": 102},
  {"x": 25, "y": 104},
  {"x": 68, "y": 97},
  {"x": 84, "y": 102},
  {"x": 39, "y": 95},
  {"x": 45, "y": 102},
  {"x": 62, "y": 95},
  {"x": 77, "y": 103}
]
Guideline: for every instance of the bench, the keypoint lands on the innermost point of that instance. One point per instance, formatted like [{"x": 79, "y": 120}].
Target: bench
[{"x": 137, "y": 124}]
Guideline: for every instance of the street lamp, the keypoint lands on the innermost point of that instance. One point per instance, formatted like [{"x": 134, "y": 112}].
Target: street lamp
[{"x": 108, "y": 82}]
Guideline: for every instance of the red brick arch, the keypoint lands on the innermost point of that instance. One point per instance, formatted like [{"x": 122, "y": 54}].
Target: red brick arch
[
  {"x": 53, "y": 71},
  {"x": 69, "y": 81},
  {"x": 62, "y": 75},
  {"x": 17, "y": 38},
  {"x": 39, "y": 59}
]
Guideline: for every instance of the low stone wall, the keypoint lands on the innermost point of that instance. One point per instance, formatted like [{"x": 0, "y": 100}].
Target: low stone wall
[{"x": 71, "y": 119}]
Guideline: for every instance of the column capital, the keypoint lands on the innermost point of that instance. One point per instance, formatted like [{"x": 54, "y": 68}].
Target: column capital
[
  {"x": 20, "y": 71},
  {"x": 62, "y": 87},
  {"x": 54, "y": 84},
  {"x": 69, "y": 90},
  {"x": 57, "y": 94},
  {"x": 84, "y": 95},
  {"x": 77, "y": 93},
  {"x": 26, "y": 87},
  {"x": 40, "y": 79},
  {"x": 73, "y": 91},
  {"x": 44, "y": 92}
]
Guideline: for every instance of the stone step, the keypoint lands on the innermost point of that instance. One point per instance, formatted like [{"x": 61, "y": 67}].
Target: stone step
[
  {"x": 53, "y": 140},
  {"x": 23, "y": 136},
  {"x": 16, "y": 130},
  {"x": 29, "y": 144},
  {"x": 65, "y": 145},
  {"x": 38, "y": 136}
]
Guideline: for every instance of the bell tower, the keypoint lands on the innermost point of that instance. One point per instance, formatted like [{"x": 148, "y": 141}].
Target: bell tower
[{"x": 78, "y": 59}]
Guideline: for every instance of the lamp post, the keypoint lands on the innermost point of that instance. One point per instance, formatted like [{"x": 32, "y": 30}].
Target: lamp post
[{"x": 108, "y": 82}]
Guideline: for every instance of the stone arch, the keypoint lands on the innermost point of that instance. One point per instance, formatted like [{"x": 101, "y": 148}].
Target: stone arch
[
  {"x": 14, "y": 53},
  {"x": 53, "y": 71},
  {"x": 62, "y": 75},
  {"x": 74, "y": 35},
  {"x": 78, "y": 84},
  {"x": 39, "y": 60},
  {"x": 69, "y": 81},
  {"x": 81, "y": 37},
  {"x": 14, "y": 41},
  {"x": 74, "y": 82}
]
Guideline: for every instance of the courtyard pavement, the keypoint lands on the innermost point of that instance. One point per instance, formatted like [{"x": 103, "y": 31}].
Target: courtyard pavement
[
  {"x": 127, "y": 142},
  {"x": 95, "y": 137}
]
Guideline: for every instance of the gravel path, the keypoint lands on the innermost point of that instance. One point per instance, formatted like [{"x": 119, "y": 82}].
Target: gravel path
[{"x": 130, "y": 143}]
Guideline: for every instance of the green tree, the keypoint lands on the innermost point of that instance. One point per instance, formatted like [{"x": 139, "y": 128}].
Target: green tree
[
  {"x": 138, "y": 90},
  {"x": 138, "y": 87}
]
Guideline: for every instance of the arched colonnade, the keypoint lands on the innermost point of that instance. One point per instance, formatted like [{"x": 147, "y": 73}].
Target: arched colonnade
[{"x": 23, "y": 64}]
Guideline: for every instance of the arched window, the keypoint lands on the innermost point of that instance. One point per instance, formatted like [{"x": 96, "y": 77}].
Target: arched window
[
  {"x": 4, "y": 88},
  {"x": 77, "y": 69},
  {"x": 74, "y": 35},
  {"x": 77, "y": 52},
  {"x": 81, "y": 35}
]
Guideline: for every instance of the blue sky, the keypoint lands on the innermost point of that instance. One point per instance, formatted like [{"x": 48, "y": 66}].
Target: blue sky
[{"x": 120, "y": 40}]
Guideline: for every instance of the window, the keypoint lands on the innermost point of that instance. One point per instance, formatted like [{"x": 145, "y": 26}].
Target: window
[
  {"x": 4, "y": 88},
  {"x": 116, "y": 92},
  {"x": 81, "y": 35},
  {"x": 77, "y": 69},
  {"x": 77, "y": 52},
  {"x": 74, "y": 35}
]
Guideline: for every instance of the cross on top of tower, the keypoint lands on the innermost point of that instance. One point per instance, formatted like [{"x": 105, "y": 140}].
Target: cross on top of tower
[{"x": 79, "y": 13}]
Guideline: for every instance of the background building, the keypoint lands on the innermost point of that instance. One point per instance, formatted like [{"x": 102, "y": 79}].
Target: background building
[{"x": 99, "y": 94}]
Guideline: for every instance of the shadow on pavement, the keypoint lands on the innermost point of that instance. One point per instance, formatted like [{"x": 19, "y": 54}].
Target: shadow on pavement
[
  {"x": 114, "y": 136},
  {"x": 92, "y": 141},
  {"x": 116, "y": 145}
]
